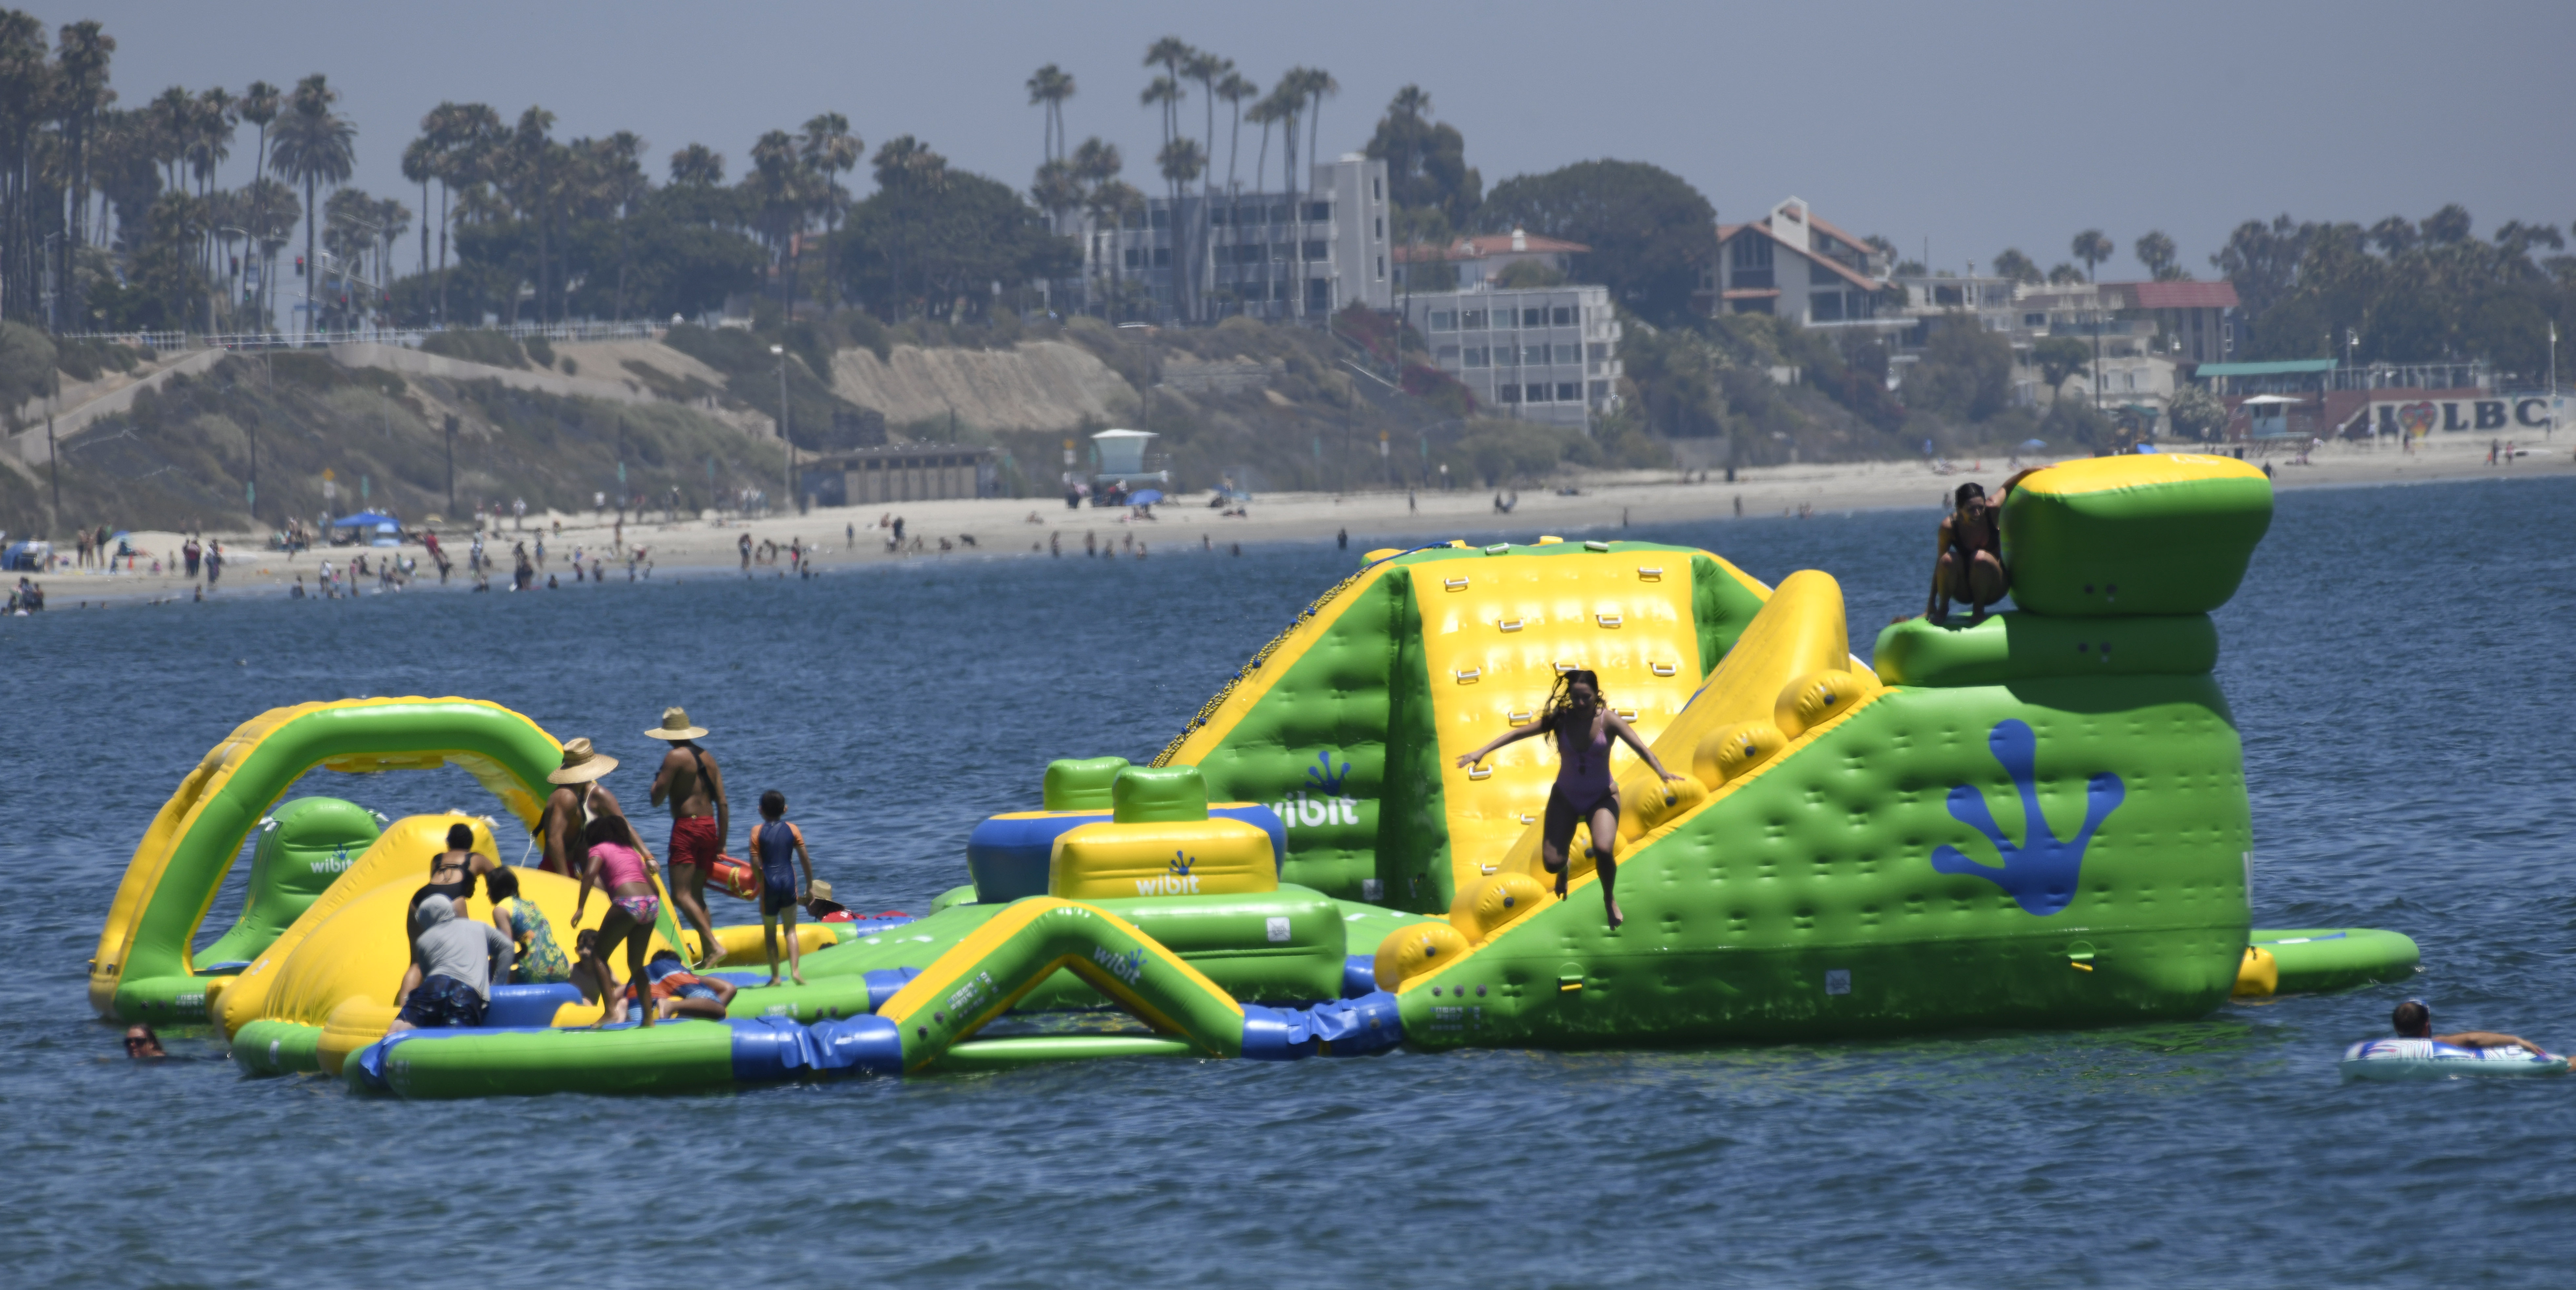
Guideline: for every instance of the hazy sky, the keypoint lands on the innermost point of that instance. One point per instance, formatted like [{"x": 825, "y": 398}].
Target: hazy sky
[{"x": 1975, "y": 126}]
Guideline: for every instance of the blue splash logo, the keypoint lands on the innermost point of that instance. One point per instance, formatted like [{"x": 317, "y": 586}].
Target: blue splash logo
[
  {"x": 2040, "y": 874},
  {"x": 1322, "y": 778},
  {"x": 1322, "y": 802}
]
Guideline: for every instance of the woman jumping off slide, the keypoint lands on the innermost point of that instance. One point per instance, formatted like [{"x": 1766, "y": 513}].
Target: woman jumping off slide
[{"x": 1583, "y": 727}]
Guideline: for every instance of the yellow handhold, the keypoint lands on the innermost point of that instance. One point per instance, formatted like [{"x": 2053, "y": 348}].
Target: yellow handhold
[
  {"x": 1210, "y": 857},
  {"x": 1815, "y": 696},
  {"x": 1412, "y": 951},
  {"x": 1729, "y": 753},
  {"x": 2259, "y": 975},
  {"x": 1494, "y": 904}
]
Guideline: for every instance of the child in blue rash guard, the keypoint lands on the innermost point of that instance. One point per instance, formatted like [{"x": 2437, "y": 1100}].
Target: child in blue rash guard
[{"x": 773, "y": 844}]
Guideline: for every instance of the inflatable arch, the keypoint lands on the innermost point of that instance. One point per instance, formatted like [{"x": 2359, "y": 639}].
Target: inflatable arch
[{"x": 143, "y": 968}]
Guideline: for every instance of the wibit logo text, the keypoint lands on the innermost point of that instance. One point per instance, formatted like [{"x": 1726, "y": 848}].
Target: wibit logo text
[
  {"x": 1178, "y": 881},
  {"x": 1127, "y": 967},
  {"x": 1322, "y": 801}
]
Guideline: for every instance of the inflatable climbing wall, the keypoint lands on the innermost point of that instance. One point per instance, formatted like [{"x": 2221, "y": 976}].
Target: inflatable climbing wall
[{"x": 1349, "y": 724}]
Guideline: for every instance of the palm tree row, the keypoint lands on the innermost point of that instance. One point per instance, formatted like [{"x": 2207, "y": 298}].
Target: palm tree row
[{"x": 1064, "y": 184}]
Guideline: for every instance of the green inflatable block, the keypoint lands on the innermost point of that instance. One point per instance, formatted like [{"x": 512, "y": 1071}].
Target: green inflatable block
[
  {"x": 2313, "y": 960},
  {"x": 304, "y": 846},
  {"x": 1157, "y": 794},
  {"x": 2158, "y": 533},
  {"x": 2024, "y": 646},
  {"x": 1081, "y": 783}
]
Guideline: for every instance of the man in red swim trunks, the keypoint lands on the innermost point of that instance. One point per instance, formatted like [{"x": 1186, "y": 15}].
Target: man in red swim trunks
[{"x": 700, "y": 822}]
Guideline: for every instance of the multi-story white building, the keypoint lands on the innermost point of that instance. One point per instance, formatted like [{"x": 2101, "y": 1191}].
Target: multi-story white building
[
  {"x": 1536, "y": 353},
  {"x": 1263, "y": 255}
]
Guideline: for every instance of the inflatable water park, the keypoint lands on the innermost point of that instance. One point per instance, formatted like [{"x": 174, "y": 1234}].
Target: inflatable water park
[{"x": 2038, "y": 819}]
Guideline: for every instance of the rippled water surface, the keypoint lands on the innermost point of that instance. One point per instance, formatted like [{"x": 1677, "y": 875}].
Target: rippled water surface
[{"x": 2400, "y": 662}]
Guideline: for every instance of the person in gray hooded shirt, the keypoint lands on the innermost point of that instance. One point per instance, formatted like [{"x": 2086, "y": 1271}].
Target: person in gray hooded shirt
[{"x": 453, "y": 964}]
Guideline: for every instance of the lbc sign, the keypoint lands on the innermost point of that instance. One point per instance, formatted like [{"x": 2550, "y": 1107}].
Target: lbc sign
[{"x": 2426, "y": 415}]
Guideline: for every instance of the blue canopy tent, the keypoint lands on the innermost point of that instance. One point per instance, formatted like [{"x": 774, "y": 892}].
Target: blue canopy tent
[{"x": 387, "y": 529}]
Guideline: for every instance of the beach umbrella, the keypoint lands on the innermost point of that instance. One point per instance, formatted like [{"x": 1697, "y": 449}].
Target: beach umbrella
[
  {"x": 1146, "y": 498},
  {"x": 2033, "y": 445}
]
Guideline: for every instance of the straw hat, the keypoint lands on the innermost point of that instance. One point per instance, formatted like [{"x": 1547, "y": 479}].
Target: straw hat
[
  {"x": 822, "y": 890},
  {"x": 581, "y": 765},
  {"x": 675, "y": 725}
]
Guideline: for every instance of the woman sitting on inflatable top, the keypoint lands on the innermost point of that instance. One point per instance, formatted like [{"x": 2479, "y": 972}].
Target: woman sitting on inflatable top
[{"x": 1583, "y": 727}]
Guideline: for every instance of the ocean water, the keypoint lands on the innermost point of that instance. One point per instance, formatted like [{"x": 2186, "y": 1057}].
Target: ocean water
[{"x": 2401, "y": 662}]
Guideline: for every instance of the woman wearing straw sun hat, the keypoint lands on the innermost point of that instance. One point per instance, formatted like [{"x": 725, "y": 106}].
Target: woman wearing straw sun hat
[
  {"x": 578, "y": 799},
  {"x": 693, "y": 784}
]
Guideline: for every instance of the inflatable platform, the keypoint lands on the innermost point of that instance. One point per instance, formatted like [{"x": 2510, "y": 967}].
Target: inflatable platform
[{"x": 2038, "y": 820}]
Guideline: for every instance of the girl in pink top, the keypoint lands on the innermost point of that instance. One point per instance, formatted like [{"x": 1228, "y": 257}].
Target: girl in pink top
[{"x": 634, "y": 905}]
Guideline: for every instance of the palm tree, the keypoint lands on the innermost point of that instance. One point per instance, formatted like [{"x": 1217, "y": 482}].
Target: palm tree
[
  {"x": 774, "y": 184},
  {"x": 907, "y": 169},
  {"x": 1056, "y": 189},
  {"x": 1181, "y": 162},
  {"x": 81, "y": 98},
  {"x": 2092, "y": 248},
  {"x": 1095, "y": 166},
  {"x": 314, "y": 146},
  {"x": 1109, "y": 202},
  {"x": 1410, "y": 105},
  {"x": 1234, "y": 89},
  {"x": 1049, "y": 87},
  {"x": 462, "y": 137},
  {"x": 259, "y": 106},
  {"x": 830, "y": 150},
  {"x": 2157, "y": 252},
  {"x": 623, "y": 184},
  {"x": 420, "y": 165},
  {"x": 697, "y": 165},
  {"x": 268, "y": 210},
  {"x": 1266, "y": 113},
  {"x": 1319, "y": 85}
]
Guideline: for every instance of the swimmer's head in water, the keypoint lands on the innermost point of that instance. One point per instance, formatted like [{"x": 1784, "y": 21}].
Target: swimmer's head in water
[
  {"x": 773, "y": 805},
  {"x": 460, "y": 837},
  {"x": 2412, "y": 1019}
]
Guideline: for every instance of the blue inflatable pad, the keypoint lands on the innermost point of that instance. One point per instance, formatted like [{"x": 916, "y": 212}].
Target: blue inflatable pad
[
  {"x": 884, "y": 983},
  {"x": 1338, "y": 1028},
  {"x": 1007, "y": 856},
  {"x": 870, "y": 1045},
  {"x": 514, "y": 1006},
  {"x": 1359, "y": 976}
]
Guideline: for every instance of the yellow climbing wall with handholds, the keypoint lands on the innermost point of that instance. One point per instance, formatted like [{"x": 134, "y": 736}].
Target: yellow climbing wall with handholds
[{"x": 1497, "y": 632}]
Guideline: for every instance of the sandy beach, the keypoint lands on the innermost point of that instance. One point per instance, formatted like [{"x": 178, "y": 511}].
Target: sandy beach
[{"x": 843, "y": 537}]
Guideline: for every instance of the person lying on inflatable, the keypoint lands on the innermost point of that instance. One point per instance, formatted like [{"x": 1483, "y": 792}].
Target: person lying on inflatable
[{"x": 2413, "y": 1020}]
